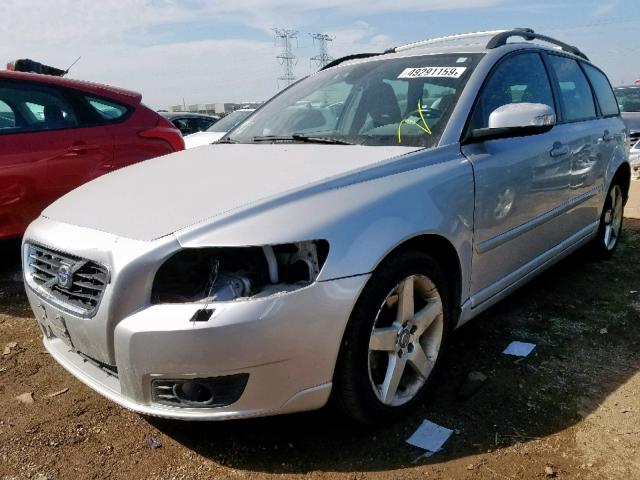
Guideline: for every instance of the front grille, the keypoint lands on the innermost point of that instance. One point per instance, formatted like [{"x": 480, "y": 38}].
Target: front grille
[
  {"x": 69, "y": 281},
  {"x": 634, "y": 138}
]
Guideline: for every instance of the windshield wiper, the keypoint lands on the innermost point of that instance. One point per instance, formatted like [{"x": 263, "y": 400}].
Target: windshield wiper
[
  {"x": 226, "y": 140},
  {"x": 297, "y": 137}
]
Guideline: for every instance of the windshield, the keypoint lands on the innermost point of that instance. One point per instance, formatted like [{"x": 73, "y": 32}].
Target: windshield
[
  {"x": 401, "y": 101},
  {"x": 227, "y": 123},
  {"x": 628, "y": 98}
]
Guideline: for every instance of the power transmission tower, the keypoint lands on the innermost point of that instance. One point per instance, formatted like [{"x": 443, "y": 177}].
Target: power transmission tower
[
  {"x": 287, "y": 59},
  {"x": 322, "y": 58}
]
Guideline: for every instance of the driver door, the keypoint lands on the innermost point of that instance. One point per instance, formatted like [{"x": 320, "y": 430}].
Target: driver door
[{"x": 521, "y": 183}]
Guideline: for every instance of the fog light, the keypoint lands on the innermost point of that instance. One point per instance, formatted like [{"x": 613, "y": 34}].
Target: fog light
[
  {"x": 199, "y": 392},
  {"x": 193, "y": 392}
]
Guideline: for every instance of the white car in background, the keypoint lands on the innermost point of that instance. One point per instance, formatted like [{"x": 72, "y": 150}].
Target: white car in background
[{"x": 218, "y": 130}]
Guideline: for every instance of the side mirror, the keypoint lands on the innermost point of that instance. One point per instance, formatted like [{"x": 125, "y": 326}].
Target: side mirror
[{"x": 515, "y": 120}]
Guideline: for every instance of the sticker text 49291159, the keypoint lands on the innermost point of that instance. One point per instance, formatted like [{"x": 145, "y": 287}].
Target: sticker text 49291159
[{"x": 432, "y": 72}]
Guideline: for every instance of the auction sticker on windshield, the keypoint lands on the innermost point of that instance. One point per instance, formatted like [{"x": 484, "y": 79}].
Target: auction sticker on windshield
[{"x": 432, "y": 72}]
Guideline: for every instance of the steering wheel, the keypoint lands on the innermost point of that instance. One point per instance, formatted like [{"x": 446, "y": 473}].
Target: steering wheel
[{"x": 428, "y": 112}]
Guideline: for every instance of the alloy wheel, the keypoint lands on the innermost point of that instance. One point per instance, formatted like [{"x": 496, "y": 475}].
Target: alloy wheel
[
  {"x": 405, "y": 340},
  {"x": 613, "y": 218}
]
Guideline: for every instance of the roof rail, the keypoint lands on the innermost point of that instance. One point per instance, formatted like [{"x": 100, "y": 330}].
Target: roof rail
[
  {"x": 449, "y": 38},
  {"x": 355, "y": 56},
  {"x": 528, "y": 34}
]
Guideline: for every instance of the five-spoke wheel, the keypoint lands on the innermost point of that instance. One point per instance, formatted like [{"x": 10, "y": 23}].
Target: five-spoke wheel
[{"x": 393, "y": 340}]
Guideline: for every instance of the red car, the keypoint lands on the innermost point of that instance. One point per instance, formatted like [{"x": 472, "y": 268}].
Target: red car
[{"x": 56, "y": 134}]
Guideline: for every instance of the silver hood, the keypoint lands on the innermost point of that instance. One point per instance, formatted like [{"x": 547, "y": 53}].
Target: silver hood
[{"x": 158, "y": 197}]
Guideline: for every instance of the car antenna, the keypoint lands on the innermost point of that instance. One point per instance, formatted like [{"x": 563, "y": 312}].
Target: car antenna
[{"x": 69, "y": 67}]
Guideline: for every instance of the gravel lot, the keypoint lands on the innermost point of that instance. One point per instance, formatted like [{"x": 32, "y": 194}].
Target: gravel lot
[{"x": 569, "y": 410}]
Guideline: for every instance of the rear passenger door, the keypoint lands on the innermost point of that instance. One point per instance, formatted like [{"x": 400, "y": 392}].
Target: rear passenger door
[
  {"x": 521, "y": 183},
  {"x": 587, "y": 138}
]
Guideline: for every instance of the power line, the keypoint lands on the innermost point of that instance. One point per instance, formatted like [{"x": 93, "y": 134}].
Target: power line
[
  {"x": 322, "y": 58},
  {"x": 287, "y": 59}
]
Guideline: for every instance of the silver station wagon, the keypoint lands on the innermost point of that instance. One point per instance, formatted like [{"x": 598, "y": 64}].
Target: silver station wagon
[{"x": 324, "y": 249}]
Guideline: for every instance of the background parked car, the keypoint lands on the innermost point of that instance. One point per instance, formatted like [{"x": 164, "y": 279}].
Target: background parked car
[
  {"x": 56, "y": 134},
  {"x": 188, "y": 122},
  {"x": 629, "y": 102},
  {"x": 218, "y": 130}
]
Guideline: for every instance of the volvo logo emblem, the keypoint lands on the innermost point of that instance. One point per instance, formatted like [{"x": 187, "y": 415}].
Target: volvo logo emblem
[{"x": 64, "y": 276}]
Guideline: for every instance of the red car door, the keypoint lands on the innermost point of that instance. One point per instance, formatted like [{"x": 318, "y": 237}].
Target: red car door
[{"x": 48, "y": 148}]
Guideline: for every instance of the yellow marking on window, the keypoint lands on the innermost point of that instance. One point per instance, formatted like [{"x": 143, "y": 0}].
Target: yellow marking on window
[{"x": 425, "y": 129}]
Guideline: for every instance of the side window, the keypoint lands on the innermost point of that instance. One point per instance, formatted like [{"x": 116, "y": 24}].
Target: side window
[
  {"x": 604, "y": 92},
  {"x": 7, "y": 117},
  {"x": 106, "y": 109},
  {"x": 204, "y": 123},
  {"x": 575, "y": 91},
  {"x": 521, "y": 78},
  {"x": 30, "y": 107}
]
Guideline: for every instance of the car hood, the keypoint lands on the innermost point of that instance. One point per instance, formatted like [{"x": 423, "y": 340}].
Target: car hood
[
  {"x": 632, "y": 120},
  {"x": 158, "y": 197},
  {"x": 202, "y": 138}
]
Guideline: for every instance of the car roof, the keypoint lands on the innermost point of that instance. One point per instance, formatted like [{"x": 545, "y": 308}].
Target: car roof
[
  {"x": 469, "y": 43},
  {"x": 115, "y": 93}
]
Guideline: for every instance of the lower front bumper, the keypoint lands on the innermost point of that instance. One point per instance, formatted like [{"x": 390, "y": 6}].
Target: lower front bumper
[{"x": 287, "y": 344}]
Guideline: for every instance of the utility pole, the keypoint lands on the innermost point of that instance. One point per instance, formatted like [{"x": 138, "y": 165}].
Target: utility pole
[
  {"x": 322, "y": 58},
  {"x": 286, "y": 58}
]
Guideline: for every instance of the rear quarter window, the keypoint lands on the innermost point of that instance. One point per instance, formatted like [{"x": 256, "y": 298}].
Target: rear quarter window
[
  {"x": 604, "y": 92},
  {"x": 107, "y": 110}
]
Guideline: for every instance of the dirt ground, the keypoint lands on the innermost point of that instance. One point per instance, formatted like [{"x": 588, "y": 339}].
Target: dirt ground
[{"x": 569, "y": 410}]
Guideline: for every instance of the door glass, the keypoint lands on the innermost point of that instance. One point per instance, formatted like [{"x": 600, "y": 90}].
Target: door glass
[
  {"x": 604, "y": 93},
  {"x": 36, "y": 107},
  {"x": 518, "y": 79},
  {"x": 574, "y": 89},
  {"x": 7, "y": 117}
]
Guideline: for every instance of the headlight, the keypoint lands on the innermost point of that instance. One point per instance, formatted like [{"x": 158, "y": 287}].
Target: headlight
[{"x": 219, "y": 274}]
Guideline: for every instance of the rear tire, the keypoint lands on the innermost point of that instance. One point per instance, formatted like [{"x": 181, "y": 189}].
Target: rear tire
[
  {"x": 604, "y": 245},
  {"x": 393, "y": 341}
]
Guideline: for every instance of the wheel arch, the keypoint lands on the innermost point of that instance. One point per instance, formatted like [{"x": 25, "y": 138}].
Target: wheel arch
[{"x": 623, "y": 174}]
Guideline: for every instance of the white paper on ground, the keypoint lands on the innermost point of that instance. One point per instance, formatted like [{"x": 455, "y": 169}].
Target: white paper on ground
[
  {"x": 430, "y": 436},
  {"x": 519, "y": 349}
]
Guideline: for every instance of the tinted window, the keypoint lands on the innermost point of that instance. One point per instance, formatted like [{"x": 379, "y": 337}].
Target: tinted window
[
  {"x": 7, "y": 117},
  {"x": 107, "y": 110},
  {"x": 517, "y": 79},
  {"x": 575, "y": 91},
  {"x": 604, "y": 93},
  {"x": 204, "y": 123},
  {"x": 30, "y": 107}
]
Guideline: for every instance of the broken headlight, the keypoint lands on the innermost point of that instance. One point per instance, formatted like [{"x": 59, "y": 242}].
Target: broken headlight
[{"x": 220, "y": 274}]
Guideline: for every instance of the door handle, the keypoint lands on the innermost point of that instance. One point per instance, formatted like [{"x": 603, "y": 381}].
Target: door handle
[
  {"x": 78, "y": 149},
  {"x": 559, "y": 150},
  {"x": 607, "y": 137}
]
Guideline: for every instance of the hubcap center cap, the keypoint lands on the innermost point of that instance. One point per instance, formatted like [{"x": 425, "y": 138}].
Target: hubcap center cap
[{"x": 404, "y": 338}]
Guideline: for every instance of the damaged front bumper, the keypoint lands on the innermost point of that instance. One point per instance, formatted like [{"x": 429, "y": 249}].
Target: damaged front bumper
[{"x": 283, "y": 346}]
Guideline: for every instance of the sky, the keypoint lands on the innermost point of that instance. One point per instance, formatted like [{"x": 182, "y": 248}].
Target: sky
[{"x": 206, "y": 51}]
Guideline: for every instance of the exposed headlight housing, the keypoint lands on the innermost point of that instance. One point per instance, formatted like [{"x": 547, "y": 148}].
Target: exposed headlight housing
[{"x": 219, "y": 274}]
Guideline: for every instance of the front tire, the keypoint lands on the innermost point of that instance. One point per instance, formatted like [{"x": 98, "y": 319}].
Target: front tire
[
  {"x": 393, "y": 340},
  {"x": 604, "y": 245}
]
